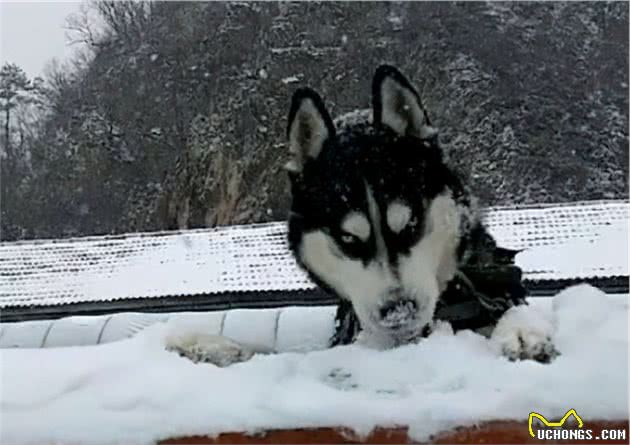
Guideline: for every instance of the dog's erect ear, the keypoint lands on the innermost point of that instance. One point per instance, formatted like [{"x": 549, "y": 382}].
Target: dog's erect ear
[
  {"x": 309, "y": 127},
  {"x": 396, "y": 104}
]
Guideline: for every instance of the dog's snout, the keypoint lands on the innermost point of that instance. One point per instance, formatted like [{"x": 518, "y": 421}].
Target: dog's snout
[{"x": 398, "y": 310}]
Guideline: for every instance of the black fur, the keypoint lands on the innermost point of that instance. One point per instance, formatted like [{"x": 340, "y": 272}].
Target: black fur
[
  {"x": 307, "y": 93},
  {"x": 329, "y": 186},
  {"x": 333, "y": 184}
]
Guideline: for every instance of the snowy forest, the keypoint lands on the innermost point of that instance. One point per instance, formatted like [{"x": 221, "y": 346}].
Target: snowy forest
[{"x": 172, "y": 115}]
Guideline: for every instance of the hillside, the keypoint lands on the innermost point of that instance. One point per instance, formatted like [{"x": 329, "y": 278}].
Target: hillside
[{"x": 177, "y": 117}]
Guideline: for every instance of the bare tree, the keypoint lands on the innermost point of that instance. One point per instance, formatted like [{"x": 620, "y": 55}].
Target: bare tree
[{"x": 15, "y": 90}]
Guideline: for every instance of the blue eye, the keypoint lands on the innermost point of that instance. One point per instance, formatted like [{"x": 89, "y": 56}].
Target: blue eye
[{"x": 346, "y": 238}]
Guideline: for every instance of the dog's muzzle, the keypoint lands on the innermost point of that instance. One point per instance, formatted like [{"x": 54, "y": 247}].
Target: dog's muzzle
[{"x": 397, "y": 314}]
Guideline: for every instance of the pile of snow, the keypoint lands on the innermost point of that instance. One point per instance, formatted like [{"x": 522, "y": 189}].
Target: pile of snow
[{"x": 133, "y": 391}]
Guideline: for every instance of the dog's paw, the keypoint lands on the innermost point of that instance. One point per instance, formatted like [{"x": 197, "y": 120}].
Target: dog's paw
[
  {"x": 215, "y": 349},
  {"x": 522, "y": 333}
]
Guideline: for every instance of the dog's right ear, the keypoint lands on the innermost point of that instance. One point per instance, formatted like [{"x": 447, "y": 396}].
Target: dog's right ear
[
  {"x": 309, "y": 127},
  {"x": 396, "y": 104}
]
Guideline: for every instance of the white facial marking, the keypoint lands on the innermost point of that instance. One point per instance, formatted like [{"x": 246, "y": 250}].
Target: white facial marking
[
  {"x": 398, "y": 216},
  {"x": 422, "y": 275},
  {"x": 363, "y": 285},
  {"x": 355, "y": 223},
  {"x": 432, "y": 262}
]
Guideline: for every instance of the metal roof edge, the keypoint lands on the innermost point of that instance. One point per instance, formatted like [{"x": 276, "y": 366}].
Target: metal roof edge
[
  {"x": 254, "y": 300},
  {"x": 549, "y": 205}
]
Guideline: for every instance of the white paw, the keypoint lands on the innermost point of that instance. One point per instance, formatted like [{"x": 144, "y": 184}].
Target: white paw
[
  {"x": 218, "y": 350},
  {"x": 524, "y": 333}
]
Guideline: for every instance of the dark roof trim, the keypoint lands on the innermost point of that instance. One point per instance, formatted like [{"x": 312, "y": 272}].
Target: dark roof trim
[
  {"x": 173, "y": 303},
  {"x": 250, "y": 300},
  {"x": 547, "y": 288}
]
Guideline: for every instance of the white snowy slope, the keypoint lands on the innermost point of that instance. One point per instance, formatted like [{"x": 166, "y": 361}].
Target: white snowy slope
[{"x": 133, "y": 391}]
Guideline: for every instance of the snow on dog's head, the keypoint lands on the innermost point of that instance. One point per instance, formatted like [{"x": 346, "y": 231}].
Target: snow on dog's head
[{"x": 376, "y": 213}]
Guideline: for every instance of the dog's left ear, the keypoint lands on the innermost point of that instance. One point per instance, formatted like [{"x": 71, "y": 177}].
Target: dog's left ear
[
  {"x": 309, "y": 127},
  {"x": 396, "y": 104}
]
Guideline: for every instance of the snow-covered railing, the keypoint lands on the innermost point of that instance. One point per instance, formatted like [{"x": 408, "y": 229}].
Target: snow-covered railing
[{"x": 280, "y": 329}]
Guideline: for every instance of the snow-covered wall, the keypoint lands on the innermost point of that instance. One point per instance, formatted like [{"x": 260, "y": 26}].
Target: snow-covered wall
[{"x": 135, "y": 392}]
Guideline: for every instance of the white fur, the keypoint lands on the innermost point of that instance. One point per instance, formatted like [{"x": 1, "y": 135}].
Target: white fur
[
  {"x": 364, "y": 286},
  {"x": 432, "y": 262},
  {"x": 524, "y": 333},
  {"x": 398, "y": 216},
  {"x": 355, "y": 223},
  {"x": 216, "y": 349}
]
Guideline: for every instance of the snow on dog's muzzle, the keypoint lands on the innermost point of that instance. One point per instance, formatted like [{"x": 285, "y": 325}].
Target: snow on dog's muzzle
[{"x": 396, "y": 314}]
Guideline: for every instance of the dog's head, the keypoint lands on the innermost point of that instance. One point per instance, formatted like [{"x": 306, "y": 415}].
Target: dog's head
[{"x": 376, "y": 214}]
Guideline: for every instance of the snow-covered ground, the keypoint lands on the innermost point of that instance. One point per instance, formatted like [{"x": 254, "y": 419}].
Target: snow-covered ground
[{"x": 133, "y": 391}]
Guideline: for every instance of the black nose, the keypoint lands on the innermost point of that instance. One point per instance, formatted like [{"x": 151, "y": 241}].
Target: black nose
[{"x": 398, "y": 309}]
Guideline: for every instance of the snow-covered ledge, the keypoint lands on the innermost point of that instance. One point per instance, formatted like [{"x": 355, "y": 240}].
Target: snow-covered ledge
[{"x": 133, "y": 391}]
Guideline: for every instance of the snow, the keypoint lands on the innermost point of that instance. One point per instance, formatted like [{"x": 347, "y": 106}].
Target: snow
[
  {"x": 352, "y": 118},
  {"x": 290, "y": 79},
  {"x": 300, "y": 331},
  {"x": 257, "y": 258},
  {"x": 133, "y": 391},
  {"x": 611, "y": 248},
  {"x": 206, "y": 261},
  {"x": 249, "y": 328},
  {"x": 394, "y": 20}
]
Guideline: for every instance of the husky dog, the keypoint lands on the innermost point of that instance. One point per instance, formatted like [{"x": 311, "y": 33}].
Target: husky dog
[{"x": 379, "y": 220}]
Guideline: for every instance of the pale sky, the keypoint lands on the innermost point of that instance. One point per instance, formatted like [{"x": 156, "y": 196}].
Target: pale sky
[{"x": 31, "y": 33}]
